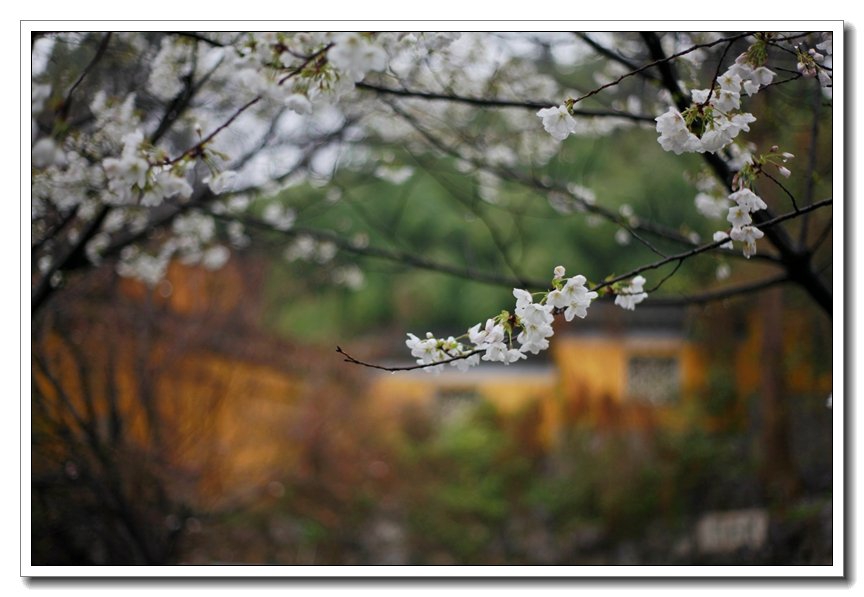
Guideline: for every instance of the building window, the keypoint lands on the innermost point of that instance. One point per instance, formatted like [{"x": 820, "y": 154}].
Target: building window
[{"x": 654, "y": 380}]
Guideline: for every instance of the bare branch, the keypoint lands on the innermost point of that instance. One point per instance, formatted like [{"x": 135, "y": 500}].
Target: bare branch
[
  {"x": 500, "y": 103},
  {"x": 402, "y": 257},
  {"x": 63, "y": 112},
  {"x": 721, "y": 294},
  {"x": 785, "y": 190}
]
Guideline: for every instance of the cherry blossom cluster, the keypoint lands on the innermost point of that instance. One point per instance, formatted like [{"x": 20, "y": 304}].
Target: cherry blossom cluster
[
  {"x": 743, "y": 230},
  {"x": 746, "y": 202},
  {"x": 714, "y": 119},
  {"x": 817, "y": 62},
  {"x": 114, "y": 163},
  {"x": 530, "y": 323}
]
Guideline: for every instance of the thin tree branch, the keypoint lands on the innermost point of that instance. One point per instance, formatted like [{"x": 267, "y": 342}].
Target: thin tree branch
[
  {"x": 693, "y": 299},
  {"x": 707, "y": 247},
  {"x": 722, "y": 294},
  {"x": 63, "y": 112},
  {"x": 604, "y": 51},
  {"x": 785, "y": 190},
  {"x": 499, "y": 103},
  {"x": 659, "y": 63},
  {"x": 349, "y": 359},
  {"x": 401, "y": 257}
]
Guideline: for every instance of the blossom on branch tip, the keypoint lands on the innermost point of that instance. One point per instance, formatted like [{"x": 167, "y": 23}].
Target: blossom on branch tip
[
  {"x": 631, "y": 295},
  {"x": 558, "y": 122}
]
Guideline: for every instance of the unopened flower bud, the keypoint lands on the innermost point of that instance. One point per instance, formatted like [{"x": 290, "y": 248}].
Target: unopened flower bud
[{"x": 559, "y": 272}]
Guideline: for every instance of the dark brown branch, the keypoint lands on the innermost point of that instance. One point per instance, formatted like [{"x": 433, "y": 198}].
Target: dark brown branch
[
  {"x": 713, "y": 245},
  {"x": 198, "y": 148},
  {"x": 73, "y": 253},
  {"x": 63, "y": 112},
  {"x": 499, "y": 103},
  {"x": 785, "y": 190},
  {"x": 534, "y": 183},
  {"x": 717, "y": 73},
  {"x": 651, "y": 39},
  {"x": 197, "y": 37},
  {"x": 402, "y": 257},
  {"x": 663, "y": 280},
  {"x": 604, "y": 51},
  {"x": 722, "y": 294},
  {"x": 349, "y": 359}
]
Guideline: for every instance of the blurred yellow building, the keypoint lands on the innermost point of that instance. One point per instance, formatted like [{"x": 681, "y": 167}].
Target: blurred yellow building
[{"x": 623, "y": 369}]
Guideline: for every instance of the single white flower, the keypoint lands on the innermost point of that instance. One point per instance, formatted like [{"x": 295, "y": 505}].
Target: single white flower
[
  {"x": 513, "y": 355},
  {"x": 748, "y": 201},
  {"x": 534, "y": 341},
  {"x": 674, "y": 135},
  {"x": 726, "y": 100},
  {"x": 748, "y": 235},
  {"x": 738, "y": 216},
  {"x": 523, "y": 299},
  {"x": 720, "y": 235},
  {"x": 558, "y": 122},
  {"x": 574, "y": 298},
  {"x": 760, "y": 77},
  {"x": 492, "y": 333},
  {"x": 739, "y": 122},
  {"x": 496, "y": 352},
  {"x": 730, "y": 81},
  {"x": 741, "y": 67},
  {"x": 714, "y": 140},
  {"x": 632, "y": 294},
  {"x": 699, "y": 96}
]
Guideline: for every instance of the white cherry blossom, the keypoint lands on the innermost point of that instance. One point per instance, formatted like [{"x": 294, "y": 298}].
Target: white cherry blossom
[
  {"x": 558, "y": 122},
  {"x": 632, "y": 294}
]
